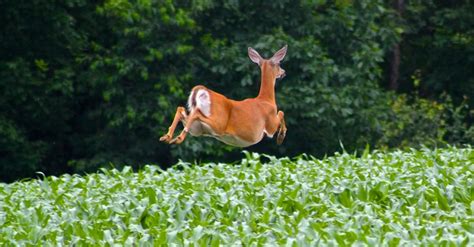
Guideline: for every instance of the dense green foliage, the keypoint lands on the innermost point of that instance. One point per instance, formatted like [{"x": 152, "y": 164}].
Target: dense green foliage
[
  {"x": 438, "y": 48},
  {"x": 85, "y": 83},
  {"x": 419, "y": 197}
]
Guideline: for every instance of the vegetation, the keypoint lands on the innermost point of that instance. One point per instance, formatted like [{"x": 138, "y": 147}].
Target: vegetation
[
  {"x": 89, "y": 85},
  {"x": 86, "y": 83},
  {"x": 421, "y": 197}
]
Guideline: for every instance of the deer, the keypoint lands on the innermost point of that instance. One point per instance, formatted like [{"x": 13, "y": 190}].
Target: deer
[{"x": 236, "y": 123}]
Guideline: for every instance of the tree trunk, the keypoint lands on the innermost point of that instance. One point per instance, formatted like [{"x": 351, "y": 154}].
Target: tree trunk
[
  {"x": 395, "y": 59},
  {"x": 394, "y": 67}
]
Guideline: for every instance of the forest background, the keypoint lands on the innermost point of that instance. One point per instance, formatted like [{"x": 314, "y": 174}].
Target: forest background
[{"x": 87, "y": 84}]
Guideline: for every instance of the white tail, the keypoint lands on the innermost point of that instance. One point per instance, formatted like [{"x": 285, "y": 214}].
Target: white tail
[{"x": 237, "y": 123}]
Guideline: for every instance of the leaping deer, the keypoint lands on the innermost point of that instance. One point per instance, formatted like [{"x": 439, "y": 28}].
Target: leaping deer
[{"x": 237, "y": 123}]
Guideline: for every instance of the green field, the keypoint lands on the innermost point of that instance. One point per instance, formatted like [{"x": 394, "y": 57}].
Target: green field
[{"x": 375, "y": 198}]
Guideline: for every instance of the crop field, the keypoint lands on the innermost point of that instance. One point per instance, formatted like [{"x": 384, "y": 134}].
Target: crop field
[{"x": 375, "y": 198}]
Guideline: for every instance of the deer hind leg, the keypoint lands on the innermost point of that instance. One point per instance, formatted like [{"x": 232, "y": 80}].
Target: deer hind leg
[
  {"x": 180, "y": 115},
  {"x": 282, "y": 129},
  {"x": 193, "y": 116}
]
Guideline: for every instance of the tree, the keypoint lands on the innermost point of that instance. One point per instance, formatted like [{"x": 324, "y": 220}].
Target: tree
[{"x": 87, "y": 84}]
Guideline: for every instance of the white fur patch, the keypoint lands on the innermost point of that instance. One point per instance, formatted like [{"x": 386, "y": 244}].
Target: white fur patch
[
  {"x": 190, "y": 102},
  {"x": 203, "y": 102},
  {"x": 267, "y": 134}
]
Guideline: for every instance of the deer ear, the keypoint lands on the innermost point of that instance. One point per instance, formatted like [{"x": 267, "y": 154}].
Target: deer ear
[
  {"x": 254, "y": 56},
  {"x": 279, "y": 55}
]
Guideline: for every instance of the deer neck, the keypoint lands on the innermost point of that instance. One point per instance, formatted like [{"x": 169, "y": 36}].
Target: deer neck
[{"x": 267, "y": 84}]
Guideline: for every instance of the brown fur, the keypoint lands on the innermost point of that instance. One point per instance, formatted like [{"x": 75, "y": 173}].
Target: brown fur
[{"x": 247, "y": 120}]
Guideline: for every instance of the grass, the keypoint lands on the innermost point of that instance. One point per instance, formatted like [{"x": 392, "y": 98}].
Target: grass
[{"x": 380, "y": 198}]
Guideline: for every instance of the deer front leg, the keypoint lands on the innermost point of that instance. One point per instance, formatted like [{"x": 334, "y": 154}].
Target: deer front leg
[
  {"x": 276, "y": 123},
  {"x": 179, "y": 116},
  {"x": 193, "y": 116},
  {"x": 282, "y": 129}
]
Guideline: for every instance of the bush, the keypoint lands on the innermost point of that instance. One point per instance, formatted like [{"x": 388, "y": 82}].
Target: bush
[
  {"x": 18, "y": 156},
  {"x": 415, "y": 122}
]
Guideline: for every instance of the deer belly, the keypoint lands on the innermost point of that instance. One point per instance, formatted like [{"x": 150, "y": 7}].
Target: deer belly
[
  {"x": 233, "y": 141},
  {"x": 199, "y": 128}
]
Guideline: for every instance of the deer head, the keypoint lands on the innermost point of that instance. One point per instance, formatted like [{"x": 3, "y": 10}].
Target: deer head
[{"x": 269, "y": 66}]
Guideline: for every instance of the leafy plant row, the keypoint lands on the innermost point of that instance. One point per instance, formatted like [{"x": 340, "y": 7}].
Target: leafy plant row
[{"x": 377, "y": 198}]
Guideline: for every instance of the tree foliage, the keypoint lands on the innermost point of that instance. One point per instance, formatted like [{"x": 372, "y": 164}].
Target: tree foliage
[
  {"x": 438, "y": 48},
  {"x": 87, "y": 83}
]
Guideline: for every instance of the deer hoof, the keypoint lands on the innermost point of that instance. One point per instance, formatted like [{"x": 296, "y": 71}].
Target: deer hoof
[
  {"x": 178, "y": 140},
  {"x": 165, "y": 138},
  {"x": 281, "y": 137}
]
